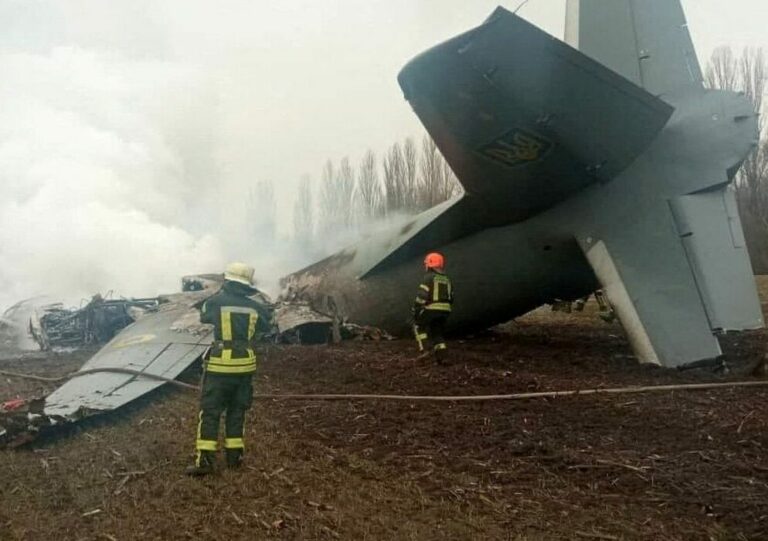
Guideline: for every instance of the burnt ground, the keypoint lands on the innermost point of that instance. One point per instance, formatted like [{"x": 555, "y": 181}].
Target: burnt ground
[{"x": 676, "y": 465}]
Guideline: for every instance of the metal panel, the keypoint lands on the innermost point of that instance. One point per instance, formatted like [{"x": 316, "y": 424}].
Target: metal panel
[
  {"x": 711, "y": 233},
  {"x": 290, "y": 316},
  {"x": 163, "y": 344},
  {"x": 653, "y": 268},
  {"x": 514, "y": 112},
  {"x": 604, "y": 33},
  {"x": 646, "y": 41},
  {"x": 616, "y": 290}
]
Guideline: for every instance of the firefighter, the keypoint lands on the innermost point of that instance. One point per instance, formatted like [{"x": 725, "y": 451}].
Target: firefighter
[
  {"x": 227, "y": 387},
  {"x": 432, "y": 306}
]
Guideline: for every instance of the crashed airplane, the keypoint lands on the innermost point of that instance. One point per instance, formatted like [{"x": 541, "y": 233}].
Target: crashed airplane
[
  {"x": 600, "y": 163},
  {"x": 163, "y": 341}
]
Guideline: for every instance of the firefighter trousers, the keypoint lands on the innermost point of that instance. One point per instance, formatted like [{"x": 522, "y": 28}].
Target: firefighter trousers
[
  {"x": 430, "y": 328},
  {"x": 232, "y": 395}
]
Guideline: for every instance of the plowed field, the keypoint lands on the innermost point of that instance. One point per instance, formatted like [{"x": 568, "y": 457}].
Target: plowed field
[{"x": 675, "y": 465}]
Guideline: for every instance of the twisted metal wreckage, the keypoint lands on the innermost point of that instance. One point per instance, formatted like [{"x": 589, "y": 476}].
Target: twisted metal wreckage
[
  {"x": 600, "y": 163},
  {"x": 163, "y": 338},
  {"x": 55, "y": 327}
]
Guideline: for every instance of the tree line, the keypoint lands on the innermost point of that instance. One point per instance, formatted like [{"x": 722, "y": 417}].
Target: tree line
[{"x": 405, "y": 180}]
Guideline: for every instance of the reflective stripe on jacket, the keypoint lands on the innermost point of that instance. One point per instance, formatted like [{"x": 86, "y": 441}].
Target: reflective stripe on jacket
[
  {"x": 236, "y": 320},
  {"x": 435, "y": 293}
]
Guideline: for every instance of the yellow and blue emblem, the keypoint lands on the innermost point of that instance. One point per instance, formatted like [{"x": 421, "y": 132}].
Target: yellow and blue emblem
[{"x": 517, "y": 147}]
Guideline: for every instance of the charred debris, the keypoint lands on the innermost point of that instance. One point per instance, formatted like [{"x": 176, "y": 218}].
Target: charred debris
[
  {"x": 53, "y": 326},
  {"x": 157, "y": 338}
]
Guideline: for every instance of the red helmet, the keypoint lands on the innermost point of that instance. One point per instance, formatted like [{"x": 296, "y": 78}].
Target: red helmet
[{"x": 434, "y": 260}]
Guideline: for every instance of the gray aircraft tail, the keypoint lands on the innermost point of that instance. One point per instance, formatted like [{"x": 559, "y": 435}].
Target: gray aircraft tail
[
  {"x": 617, "y": 145},
  {"x": 646, "y": 41}
]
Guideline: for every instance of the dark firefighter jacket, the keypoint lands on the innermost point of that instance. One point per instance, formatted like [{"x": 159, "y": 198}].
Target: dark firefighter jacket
[
  {"x": 435, "y": 293},
  {"x": 236, "y": 320}
]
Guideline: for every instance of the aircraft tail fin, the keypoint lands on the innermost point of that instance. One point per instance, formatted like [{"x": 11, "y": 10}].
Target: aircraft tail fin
[
  {"x": 646, "y": 41},
  {"x": 702, "y": 282},
  {"x": 710, "y": 229},
  {"x": 514, "y": 110}
]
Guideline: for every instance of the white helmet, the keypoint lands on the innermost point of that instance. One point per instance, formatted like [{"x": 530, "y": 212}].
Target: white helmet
[{"x": 239, "y": 272}]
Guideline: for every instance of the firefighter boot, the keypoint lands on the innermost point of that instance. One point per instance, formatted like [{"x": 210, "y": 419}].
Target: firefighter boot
[
  {"x": 441, "y": 353},
  {"x": 234, "y": 458},
  {"x": 203, "y": 464}
]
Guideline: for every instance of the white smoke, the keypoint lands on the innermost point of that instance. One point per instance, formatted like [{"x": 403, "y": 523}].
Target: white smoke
[
  {"x": 132, "y": 130},
  {"x": 95, "y": 180}
]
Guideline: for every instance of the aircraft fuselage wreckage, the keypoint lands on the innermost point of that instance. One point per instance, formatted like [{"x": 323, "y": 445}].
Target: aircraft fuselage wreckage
[
  {"x": 600, "y": 164},
  {"x": 603, "y": 162}
]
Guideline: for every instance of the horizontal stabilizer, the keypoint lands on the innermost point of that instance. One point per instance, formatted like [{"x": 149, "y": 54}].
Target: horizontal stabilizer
[
  {"x": 524, "y": 120},
  {"x": 436, "y": 227}
]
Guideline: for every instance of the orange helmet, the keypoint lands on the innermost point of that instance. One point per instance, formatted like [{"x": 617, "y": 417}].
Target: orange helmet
[{"x": 434, "y": 260}]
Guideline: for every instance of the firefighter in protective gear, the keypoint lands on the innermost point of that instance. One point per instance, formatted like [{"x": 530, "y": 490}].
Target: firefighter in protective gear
[
  {"x": 432, "y": 306},
  {"x": 227, "y": 387}
]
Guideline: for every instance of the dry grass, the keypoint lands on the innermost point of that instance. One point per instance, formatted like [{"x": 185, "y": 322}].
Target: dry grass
[{"x": 675, "y": 466}]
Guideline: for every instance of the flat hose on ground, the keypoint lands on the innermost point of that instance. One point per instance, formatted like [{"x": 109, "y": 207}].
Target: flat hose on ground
[{"x": 410, "y": 398}]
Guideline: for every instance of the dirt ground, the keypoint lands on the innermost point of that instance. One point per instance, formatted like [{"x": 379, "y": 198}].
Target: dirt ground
[{"x": 677, "y": 465}]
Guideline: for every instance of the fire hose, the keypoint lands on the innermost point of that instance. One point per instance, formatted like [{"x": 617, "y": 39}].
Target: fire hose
[{"x": 414, "y": 398}]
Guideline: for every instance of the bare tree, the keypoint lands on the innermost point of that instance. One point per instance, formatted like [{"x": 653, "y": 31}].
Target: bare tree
[
  {"x": 263, "y": 210},
  {"x": 337, "y": 196},
  {"x": 437, "y": 182},
  {"x": 429, "y": 173},
  {"x": 395, "y": 181},
  {"x": 303, "y": 213},
  {"x": 328, "y": 215},
  {"x": 722, "y": 70},
  {"x": 753, "y": 172},
  {"x": 450, "y": 183},
  {"x": 345, "y": 191},
  {"x": 369, "y": 196},
  {"x": 413, "y": 180},
  {"x": 410, "y": 166}
]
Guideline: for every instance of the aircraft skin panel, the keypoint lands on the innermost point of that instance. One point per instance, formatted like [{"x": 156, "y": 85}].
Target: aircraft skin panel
[
  {"x": 175, "y": 358},
  {"x": 444, "y": 223},
  {"x": 375, "y": 252},
  {"x": 154, "y": 344},
  {"x": 711, "y": 233},
  {"x": 621, "y": 301},
  {"x": 666, "y": 310},
  {"x": 498, "y": 274},
  {"x": 513, "y": 110},
  {"x": 646, "y": 41}
]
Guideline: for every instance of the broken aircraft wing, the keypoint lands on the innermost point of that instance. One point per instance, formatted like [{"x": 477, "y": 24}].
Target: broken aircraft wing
[{"x": 163, "y": 343}]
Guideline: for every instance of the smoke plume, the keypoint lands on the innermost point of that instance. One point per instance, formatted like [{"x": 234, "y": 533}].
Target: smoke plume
[{"x": 95, "y": 181}]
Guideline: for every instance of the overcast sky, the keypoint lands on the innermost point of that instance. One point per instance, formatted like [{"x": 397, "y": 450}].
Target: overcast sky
[
  {"x": 153, "y": 116},
  {"x": 308, "y": 79}
]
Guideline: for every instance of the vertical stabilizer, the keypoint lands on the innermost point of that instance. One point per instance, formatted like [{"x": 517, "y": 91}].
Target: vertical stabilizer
[
  {"x": 609, "y": 276},
  {"x": 710, "y": 229},
  {"x": 646, "y": 41}
]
